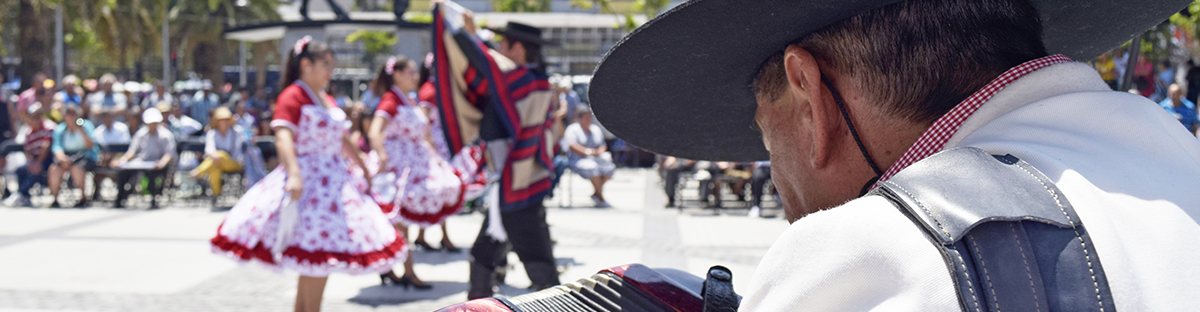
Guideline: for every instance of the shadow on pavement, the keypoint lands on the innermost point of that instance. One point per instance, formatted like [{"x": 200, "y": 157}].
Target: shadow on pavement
[
  {"x": 440, "y": 257},
  {"x": 377, "y": 295}
]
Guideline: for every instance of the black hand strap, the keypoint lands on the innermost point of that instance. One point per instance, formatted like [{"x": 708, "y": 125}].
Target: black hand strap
[{"x": 718, "y": 291}]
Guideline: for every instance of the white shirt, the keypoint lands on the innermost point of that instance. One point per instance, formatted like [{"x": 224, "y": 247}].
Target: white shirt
[
  {"x": 101, "y": 100},
  {"x": 1125, "y": 165},
  {"x": 574, "y": 134},
  {"x": 118, "y": 134},
  {"x": 230, "y": 142},
  {"x": 184, "y": 124}
]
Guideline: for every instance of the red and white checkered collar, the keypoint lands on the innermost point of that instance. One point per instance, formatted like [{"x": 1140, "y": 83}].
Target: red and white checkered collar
[{"x": 934, "y": 139}]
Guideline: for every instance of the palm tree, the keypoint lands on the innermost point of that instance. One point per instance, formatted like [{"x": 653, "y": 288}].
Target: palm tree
[
  {"x": 34, "y": 19},
  {"x": 127, "y": 26},
  {"x": 200, "y": 25}
]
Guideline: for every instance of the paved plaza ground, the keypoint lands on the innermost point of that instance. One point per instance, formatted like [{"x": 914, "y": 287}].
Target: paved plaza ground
[{"x": 104, "y": 259}]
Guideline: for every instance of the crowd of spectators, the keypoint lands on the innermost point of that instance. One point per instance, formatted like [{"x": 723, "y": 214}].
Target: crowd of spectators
[
  {"x": 1174, "y": 85},
  {"x": 136, "y": 134}
]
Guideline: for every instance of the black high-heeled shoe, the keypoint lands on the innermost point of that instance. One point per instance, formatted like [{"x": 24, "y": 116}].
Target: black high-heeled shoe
[
  {"x": 450, "y": 248},
  {"x": 425, "y": 246},
  {"x": 407, "y": 282}
]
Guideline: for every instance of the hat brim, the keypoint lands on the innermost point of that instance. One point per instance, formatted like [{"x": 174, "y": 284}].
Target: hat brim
[
  {"x": 680, "y": 84},
  {"x": 521, "y": 36}
]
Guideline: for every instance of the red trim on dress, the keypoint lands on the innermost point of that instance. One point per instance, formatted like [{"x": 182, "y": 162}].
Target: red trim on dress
[{"x": 261, "y": 253}]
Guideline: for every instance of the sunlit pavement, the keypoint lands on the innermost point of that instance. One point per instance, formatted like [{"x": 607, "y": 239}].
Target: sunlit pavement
[{"x": 103, "y": 259}]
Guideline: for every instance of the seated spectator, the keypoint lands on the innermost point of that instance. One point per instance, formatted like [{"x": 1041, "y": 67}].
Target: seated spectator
[
  {"x": 107, "y": 97},
  {"x": 110, "y": 130},
  {"x": 1183, "y": 109},
  {"x": 588, "y": 154},
  {"x": 159, "y": 95},
  {"x": 150, "y": 152},
  {"x": 257, "y": 103},
  {"x": 243, "y": 117},
  {"x": 673, "y": 168},
  {"x": 39, "y": 134},
  {"x": 75, "y": 152},
  {"x": 758, "y": 182},
  {"x": 223, "y": 150},
  {"x": 710, "y": 174},
  {"x": 71, "y": 94},
  {"x": 203, "y": 102},
  {"x": 179, "y": 124},
  {"x": 263, "y": 128},
  {"x": 133, "y": 118},
  {"x": 35, "y": 94}
]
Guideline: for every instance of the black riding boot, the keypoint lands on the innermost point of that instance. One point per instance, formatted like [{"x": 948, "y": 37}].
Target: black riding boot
[
  {"x": 542, "y": 274},
  {"x": 481, "y": 282}
]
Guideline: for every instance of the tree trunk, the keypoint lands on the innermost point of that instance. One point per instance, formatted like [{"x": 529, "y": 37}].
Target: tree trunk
[
  {"x": 261, "y": 50},
  {"x": 206, "y": 61},
  {"x": 123, "y": 59},
  {"x": 34, "y": 45}
]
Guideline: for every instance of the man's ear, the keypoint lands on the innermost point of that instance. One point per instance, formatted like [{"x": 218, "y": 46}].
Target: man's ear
[{"x": 821, "y": 114}]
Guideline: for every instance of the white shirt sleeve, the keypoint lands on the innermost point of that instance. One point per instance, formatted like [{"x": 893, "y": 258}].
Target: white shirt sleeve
[
  {"x": 862, "y": 256},
  {"x": 210, "y": 141},
  {"x": 572, "y": 135},
  {"x": 122, "y": 131},
  {"x": 122, "y": 101}
]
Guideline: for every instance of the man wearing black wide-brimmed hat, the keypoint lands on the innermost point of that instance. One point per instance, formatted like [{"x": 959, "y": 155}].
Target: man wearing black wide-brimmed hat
[{"x": 932, "y": 155}]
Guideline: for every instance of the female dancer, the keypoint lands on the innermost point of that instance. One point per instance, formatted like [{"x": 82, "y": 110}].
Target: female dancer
[
  {"x": 425, "y": 97},
  {"x": 333, "y": 225},
  {"x": 400, "y": 137}
]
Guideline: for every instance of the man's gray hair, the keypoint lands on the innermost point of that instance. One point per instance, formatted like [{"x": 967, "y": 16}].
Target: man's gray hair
[{"x": 919, "y": 58}]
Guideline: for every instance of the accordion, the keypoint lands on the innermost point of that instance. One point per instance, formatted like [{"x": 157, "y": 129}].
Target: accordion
[{"x": 631, "y": 287}]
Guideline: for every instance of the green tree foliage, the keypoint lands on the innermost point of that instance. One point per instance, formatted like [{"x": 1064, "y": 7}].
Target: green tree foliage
[
  {"x": 650, "y": 8},
  {"x": 376, "y": 42},
  {"x": 197, "y": 24},
  {"x": 521, "y": 5}
]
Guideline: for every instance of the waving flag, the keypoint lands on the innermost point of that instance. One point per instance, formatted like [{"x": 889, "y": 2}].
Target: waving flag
[{"x": 483, "y": 96}]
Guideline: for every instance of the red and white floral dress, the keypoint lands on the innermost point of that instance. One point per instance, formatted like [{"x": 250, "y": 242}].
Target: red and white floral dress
[
  {"x": 435, "y": 189},
  {"x": 338, "y": 228}
]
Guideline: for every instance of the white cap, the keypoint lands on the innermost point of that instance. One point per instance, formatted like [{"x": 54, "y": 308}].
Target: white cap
[
  {"x": 33, "y": 108},
  {"x": 151, "y": 115},
  {"x": 133, "y": 86}
]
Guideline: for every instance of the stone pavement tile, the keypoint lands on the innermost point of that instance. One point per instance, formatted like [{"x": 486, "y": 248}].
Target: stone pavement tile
[
  {"x": 586, "y": 261},
  {"x": 604, "y": 222},
  {"x": 25, "y": 221},
  {"x": 193, "y": 224},
  {"x": 108, "y": 266},
  {"x": 729, "y": 230}
]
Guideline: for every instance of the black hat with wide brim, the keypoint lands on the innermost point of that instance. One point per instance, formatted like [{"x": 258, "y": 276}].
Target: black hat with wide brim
[
  {"x": 521, "y": 32},
  {"x": 680, "y": 84}
]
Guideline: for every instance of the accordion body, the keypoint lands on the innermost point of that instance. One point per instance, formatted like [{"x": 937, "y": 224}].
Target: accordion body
[{"x": 631, "y": 287}]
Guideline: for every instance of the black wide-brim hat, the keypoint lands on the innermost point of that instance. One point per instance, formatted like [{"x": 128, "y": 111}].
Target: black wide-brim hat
[
  {"x": 680, "y": 84},
  {"x": 522, "y": 32}
]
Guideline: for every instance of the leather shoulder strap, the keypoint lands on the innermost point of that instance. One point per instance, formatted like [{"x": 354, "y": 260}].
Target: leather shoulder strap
[{"x": 1009, "y": 237}]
